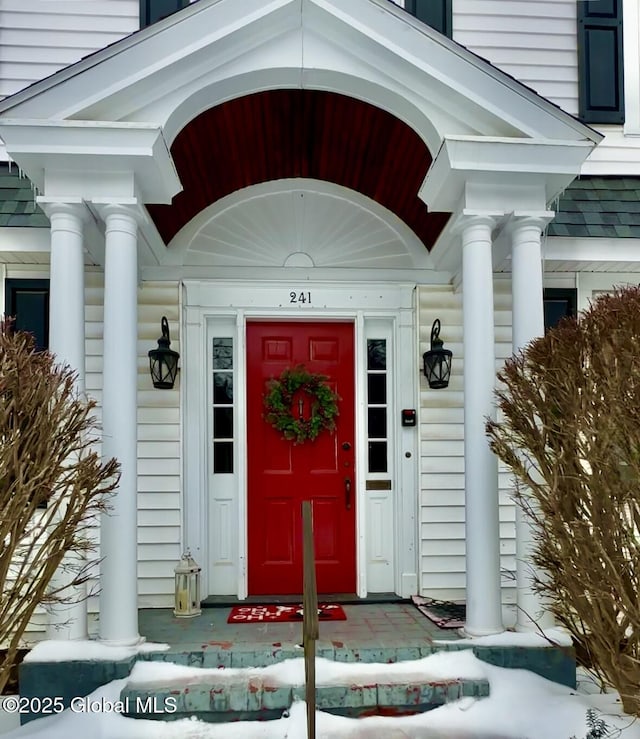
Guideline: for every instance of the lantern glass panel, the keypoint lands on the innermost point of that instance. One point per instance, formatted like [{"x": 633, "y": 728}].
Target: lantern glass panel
[
  {"x": 437, "y": 366},
  {"x": 196, "y": 590},
  {"x": 182, "y": 592},
  {"x": 163, "y": 368}
]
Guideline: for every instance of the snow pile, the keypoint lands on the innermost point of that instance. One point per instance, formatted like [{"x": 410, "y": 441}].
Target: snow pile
[
  {"x": 436, "y": 667},
  {"x": 550, "y": 637},
  {"x": 521, "y": 706},
  {"x": 64, "y": 650}
]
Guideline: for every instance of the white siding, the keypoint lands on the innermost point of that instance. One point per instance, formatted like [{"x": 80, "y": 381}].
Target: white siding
[
  {"x": 39, "y": 37},
  {"x": 442, "y": 534},
  {"x": 535, "y": 41},
  {"x": 159, "y": 517},
  {"x": 159, "y": 439},
  {"x": 617, "y": 154}
]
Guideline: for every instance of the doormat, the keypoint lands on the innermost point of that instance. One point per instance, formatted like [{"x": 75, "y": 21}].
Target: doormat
[
  {"x": 443, "y": 613},
  {"x": 273, "y": 613}
]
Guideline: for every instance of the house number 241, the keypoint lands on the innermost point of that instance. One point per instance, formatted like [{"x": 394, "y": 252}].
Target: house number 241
[{"x": 300, "y": 297}]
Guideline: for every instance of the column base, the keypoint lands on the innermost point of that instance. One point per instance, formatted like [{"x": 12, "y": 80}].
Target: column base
[
  {"x": 466, "y": 633},
  {"x": 135, "y": 642}
]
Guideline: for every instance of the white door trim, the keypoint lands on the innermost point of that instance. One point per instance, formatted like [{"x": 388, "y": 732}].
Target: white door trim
[{"x": 232, "y": 303}]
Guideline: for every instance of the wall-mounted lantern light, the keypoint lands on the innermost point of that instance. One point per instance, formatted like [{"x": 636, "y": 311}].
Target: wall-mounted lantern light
[
  {"x": 163, "y": 362},
  {"x": 437, "y": 361},
  {"x": 187, "y": 587}
]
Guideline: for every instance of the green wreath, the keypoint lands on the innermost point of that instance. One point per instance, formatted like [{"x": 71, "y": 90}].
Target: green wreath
[{"x": 278, "y": 403}]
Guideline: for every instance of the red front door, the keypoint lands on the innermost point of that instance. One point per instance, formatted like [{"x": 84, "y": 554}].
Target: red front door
[{"x": 282, "y": 474}]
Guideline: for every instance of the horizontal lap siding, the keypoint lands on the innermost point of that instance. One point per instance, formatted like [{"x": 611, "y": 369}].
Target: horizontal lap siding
[
  {"x": 442, "y": 510},
  {"x": 39, "y": 37},
  {"x": 159, "y": 517},
  {"x": 159, "y": 442},
  {"x": 617, "y": 153},
  {"x": 535, "y": 41}
]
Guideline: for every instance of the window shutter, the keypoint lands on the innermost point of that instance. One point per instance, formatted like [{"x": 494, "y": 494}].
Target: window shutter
[
  {"x": 559, "y": 303},
  {"x": 600, "y": 61},
  {"x": 153, "y": 10},
  {"x": 27, "y": 301},
  {"x": 435, "y": 13}
]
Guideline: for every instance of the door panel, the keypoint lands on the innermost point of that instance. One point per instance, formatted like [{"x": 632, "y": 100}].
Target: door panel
[{"x": 282, "y": 474}]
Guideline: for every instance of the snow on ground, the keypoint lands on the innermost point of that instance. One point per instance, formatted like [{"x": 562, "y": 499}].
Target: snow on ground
[
  {"x": 439, "y": 666},
  {"x": 65, "y": 650},
  {"x": 554, "y": 636},
  {"x": 521, "y": 706}
]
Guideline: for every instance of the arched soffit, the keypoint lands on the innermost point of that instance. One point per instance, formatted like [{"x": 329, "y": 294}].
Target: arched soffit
[
  {"x": 279, "y": 134},
  {"x": 297, "y": 222},
  {"x": 178, "y": 107}
]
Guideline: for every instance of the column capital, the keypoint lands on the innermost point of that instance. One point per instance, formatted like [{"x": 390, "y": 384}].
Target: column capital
[
  {"x": 123, "y": 209},
  {"x": 74, "y": 207},
  {"x": 530, "y": 219},
  {"x": 469, "y": 218}
]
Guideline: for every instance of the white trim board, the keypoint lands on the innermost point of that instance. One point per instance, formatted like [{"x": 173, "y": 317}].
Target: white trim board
[{"x": 371, "y": 307}]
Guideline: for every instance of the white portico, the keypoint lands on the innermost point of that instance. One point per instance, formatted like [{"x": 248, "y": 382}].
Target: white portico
[{"x": 149, "y": 155}]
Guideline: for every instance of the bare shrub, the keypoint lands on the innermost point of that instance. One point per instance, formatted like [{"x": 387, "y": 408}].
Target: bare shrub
[
  {"x": 570, "y": 404},
  {"x": 52, "y": 485}
]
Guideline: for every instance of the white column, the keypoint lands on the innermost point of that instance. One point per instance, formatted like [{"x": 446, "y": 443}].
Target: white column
[
  {"x": 484, "y": 609},
  {"x": 118, "y": 529},
  {"x": 528, "y": 323},
  {"x": 67, "y": 620}
]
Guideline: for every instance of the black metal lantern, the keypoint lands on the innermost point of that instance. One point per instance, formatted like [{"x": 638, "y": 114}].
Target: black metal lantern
[
  {"x": 437, "y": 361},
  {"x": 163, "y": 362}
]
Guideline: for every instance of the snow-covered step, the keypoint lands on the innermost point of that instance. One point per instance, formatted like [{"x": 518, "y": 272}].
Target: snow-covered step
[{"x": 168, "y": 691}]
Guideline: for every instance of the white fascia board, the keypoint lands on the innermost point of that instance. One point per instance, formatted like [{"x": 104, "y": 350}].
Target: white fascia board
[
  {"x": 157, "y": 47},
  {"x": 444, "y": 59},
  {"x": 92, "y": 154},
  {"x": 239, "y": 64},
  {"x": 126, "y": 82},
  {"x": 592, "y": 249},
  {"x": 38, "y": 240},
  {"x": 288, "y": 274},
  {"x": 222, "y": 29},
  {"x": 499, "y": 166},
  {"x": 22, "y": 238}
]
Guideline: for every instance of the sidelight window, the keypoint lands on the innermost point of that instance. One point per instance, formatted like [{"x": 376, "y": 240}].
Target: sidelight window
[
  {"x": 377, "y": 405},
  {"x": 223, "y": 405}
]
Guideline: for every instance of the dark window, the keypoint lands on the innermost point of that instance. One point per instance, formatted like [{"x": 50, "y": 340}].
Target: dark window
[
  {"x": 600, "y": 62},
  {"x": 377, "y": 456},
  {"x": 222, "y": 456},
  {"x": 435, "y": 13},
  {"x": 154, "y": 10},
  {"x": 558, "y": 303},
  {"x": 377, "y": 404},
  {"x": 223, "y": 409},
  {"x": 27, "y": 301}
]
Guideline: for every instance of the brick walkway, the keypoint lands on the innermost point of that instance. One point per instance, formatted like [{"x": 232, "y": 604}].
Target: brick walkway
[{"x": 397, "y": 627}]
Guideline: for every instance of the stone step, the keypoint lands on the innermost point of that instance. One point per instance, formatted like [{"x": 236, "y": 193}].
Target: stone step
[
  {"x": 74, "y": 678},
  {"x": 256, "y": 699},
  {"x": 551, "y": 662}
]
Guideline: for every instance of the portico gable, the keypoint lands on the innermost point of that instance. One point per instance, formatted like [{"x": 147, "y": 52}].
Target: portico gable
[{"x": 157, "y": 137}]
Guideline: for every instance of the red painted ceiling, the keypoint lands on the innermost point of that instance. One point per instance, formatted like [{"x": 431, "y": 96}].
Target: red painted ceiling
[{"x": 299, "y": 133}]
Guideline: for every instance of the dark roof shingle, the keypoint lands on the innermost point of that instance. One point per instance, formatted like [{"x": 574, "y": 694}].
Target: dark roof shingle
[
  {"x": 599, "y": 207},
  {"x": 18, "y": 200}
]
